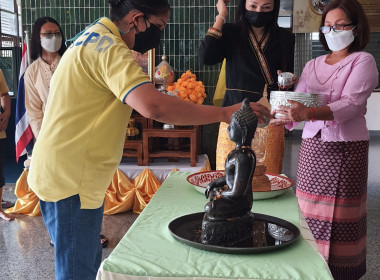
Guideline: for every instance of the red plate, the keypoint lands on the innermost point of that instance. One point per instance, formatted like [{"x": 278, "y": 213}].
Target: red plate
[{"x": 279, "y": 183}]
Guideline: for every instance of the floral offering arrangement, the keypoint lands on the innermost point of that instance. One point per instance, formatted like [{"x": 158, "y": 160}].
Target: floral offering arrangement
[{"x": 188, "y": 88}]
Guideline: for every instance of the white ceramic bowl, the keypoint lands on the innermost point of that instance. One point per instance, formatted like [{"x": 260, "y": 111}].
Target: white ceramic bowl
[
  {"x": 280, "y": 98},
  {"x": 279, "y": 183},
  {"x": 285, "y": 78}
]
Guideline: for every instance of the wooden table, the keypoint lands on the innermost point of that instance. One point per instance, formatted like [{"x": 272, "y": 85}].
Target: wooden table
[
  {"x": 134, "y": 148},
  {"x": 179, "y": 132}
]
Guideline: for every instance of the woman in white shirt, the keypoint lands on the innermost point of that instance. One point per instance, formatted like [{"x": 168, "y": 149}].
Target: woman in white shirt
[{"x": 46, "y": 48}]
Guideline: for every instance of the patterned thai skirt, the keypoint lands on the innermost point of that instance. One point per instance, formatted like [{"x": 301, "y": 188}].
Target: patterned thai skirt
[{"x": 332, "y": 194}]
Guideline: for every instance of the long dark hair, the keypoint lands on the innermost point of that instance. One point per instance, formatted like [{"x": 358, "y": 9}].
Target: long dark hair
[
  {"x": 35, "y": 42},
  {"x": 242, "y": 23},
  {"x": 119, "y": 8},
  {"x": 356, "y": 14}
]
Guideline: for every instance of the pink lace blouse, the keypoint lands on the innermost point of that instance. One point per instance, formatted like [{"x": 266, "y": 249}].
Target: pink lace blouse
[{"x": 348, "y": 83}]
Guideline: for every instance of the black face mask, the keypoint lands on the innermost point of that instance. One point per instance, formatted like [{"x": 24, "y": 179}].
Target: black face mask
[
  {"x": 259, "y": 19},
  {"x": 147, "y": 40}
]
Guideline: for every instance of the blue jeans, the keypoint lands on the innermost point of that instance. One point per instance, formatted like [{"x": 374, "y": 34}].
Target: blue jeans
[{"x": 75, "y": 234}]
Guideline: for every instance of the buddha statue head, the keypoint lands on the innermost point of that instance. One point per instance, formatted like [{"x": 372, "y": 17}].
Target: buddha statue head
[{"x": 243, "y": 125}]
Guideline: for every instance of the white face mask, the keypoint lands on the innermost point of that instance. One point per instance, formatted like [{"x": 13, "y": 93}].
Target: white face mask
[
  {"x": 337, "y": 41},
  {"x": 52, "y": 44}
]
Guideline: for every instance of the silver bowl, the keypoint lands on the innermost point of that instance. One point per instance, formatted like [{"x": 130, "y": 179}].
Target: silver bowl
[{"x": 280, "y": 98}]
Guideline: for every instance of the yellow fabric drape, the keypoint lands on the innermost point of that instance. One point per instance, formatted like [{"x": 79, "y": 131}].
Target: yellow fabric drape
[
  {"x": 224, "y": 147},
  {"x": 274, "y": 148},
  {"x": 220, "y": 86},
  {"x": 146, "y": 186},
  {"x": 27, "y": 202},
  {"x": 121, "y": 195},
  {"x": 207, "y": 166}
]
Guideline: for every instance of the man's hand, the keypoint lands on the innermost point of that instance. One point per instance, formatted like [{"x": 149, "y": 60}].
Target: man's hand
[
  {"x": 262, "y": 112},
  {"x": 3, "y": 122}
]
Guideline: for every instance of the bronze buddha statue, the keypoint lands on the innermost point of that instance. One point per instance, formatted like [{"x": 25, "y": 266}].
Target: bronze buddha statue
[{"x": 228, "y": 217}]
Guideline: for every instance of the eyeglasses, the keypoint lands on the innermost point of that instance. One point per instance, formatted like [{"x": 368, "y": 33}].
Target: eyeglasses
[
  {"x": 50, "y": 35},
  {"x": 336, "y": 28}
]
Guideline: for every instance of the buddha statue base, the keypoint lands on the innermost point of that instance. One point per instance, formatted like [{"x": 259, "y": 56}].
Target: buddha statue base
[{"x": 227, "y": 232}]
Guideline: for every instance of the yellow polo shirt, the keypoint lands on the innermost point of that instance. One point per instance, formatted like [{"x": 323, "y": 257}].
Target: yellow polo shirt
[
  {"x": 3, "y": 89},
  {"x": 81, "y": 140}
]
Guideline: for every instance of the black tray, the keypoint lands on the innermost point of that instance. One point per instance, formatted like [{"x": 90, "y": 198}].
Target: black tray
[{"x": 269, "y": 233}]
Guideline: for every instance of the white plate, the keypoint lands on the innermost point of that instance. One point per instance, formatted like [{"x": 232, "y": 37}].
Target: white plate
[{"x": 279, "y": 183}]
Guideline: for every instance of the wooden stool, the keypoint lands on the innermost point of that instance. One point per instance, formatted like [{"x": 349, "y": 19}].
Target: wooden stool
[
  {"x": 192, "y": 133},
  {"x": 134, "y": 148}
]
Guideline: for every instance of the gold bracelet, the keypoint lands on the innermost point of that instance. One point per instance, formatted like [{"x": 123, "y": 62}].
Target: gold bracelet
[
  {"x": 216, "y": 29},
  {"x": 214, "y": 32},
  {"x": 212, "y": 35}
]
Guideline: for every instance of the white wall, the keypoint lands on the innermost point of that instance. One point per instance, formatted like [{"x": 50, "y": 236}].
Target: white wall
[{"x": 373, "y": 111}]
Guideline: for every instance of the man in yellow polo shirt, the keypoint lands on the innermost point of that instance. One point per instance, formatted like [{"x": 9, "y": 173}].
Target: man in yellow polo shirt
[{"x": 92, "y": 93}]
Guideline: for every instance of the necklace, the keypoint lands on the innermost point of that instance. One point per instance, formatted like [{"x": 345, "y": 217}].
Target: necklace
[
  {"x": 336, "y": 70},
  {"x": 319, "y": 81}
]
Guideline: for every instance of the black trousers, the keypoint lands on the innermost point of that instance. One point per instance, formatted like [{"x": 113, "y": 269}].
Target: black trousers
[{"x": 2, "y": 180}]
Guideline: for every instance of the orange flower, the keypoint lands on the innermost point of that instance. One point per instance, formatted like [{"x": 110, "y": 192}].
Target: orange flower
[{"x": 188, "y": 88}]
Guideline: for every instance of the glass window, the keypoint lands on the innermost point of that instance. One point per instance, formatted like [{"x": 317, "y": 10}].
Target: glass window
[
  {"x": 9, "y": 67},
  {"x": 10, "y": 42},
  {"x": 285, "y": 22},
  {"x": 9, "y": 24},
  {"x": 8, "y": 5}
]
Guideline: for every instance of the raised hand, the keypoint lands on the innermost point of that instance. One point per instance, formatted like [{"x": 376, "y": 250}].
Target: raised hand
[{"x": 222, "y": 8}]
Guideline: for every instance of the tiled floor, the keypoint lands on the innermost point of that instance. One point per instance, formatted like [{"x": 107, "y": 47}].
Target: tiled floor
[{"x": 25, "y": 252}]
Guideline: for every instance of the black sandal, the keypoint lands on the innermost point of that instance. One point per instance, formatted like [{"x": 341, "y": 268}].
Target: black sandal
[
  {"x": 6, "y": 204},
  {"x": 104, "y": 241}
]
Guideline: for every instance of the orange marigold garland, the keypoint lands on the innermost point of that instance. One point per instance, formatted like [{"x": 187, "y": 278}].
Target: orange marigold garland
[{"x": 188, "y": 88}]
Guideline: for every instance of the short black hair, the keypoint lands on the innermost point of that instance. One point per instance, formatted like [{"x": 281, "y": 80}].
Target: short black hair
[
  {"x": 119, "y": 8},
  {"x": 242, "y": 23},
  {"x": 35, "y": 42},
  {"x": 355, "y": 12}
]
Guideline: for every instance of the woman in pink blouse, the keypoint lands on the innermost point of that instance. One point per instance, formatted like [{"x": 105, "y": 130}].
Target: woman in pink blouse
[{"x": 333, "y": 160}]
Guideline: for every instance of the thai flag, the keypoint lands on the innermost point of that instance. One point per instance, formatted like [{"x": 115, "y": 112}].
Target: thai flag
[{"x": 24, "y": 134}]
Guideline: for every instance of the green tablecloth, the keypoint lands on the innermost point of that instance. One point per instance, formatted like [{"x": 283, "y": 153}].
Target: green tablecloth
[{"x": 149, "y": 251}]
